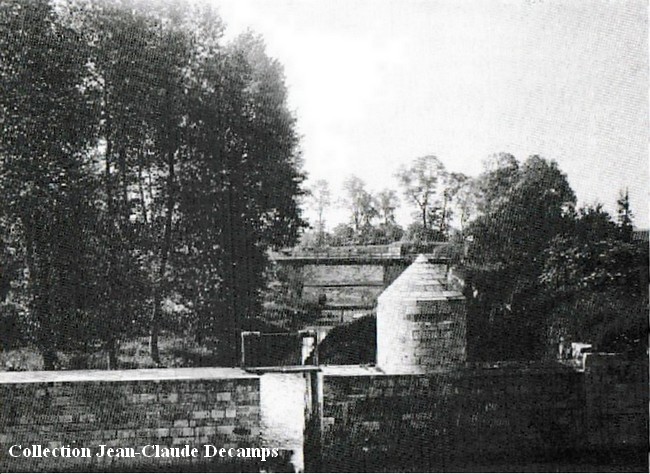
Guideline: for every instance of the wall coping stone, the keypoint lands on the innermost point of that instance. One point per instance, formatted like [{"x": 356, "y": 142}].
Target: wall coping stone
[
  {"x": 467, "y": 369},
  {"x": 200, "y": 373},
  {"x": 350, "y": 370}
]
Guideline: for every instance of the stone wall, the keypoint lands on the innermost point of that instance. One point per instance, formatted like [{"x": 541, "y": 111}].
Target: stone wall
[
  {"x": 171, "y": 408},
  {"x": 370, "y": 420},
  {"x": 344, "y": 288},
  {"x": 421, "y": 321},
  {"x": 363, "y": 297},
  {"x": 343, "y": 275},
  {"x": 616, "y": 401},
  {"x": 482, "y": 415},
  {"x": 412, "y": 334}
]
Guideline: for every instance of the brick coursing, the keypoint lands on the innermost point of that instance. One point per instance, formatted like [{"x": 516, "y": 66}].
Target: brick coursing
[
  {"x": 368, "y": 421},
  {"x": 508, "y": 414},
  {"x": 171, "y": 413}
]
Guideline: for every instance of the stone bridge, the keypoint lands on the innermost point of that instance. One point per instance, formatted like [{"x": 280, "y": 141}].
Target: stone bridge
[{"x": 343, "y": 283}]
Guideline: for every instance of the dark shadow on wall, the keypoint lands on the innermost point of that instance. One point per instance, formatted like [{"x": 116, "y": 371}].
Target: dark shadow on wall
[{"x": 351, "y": 343}]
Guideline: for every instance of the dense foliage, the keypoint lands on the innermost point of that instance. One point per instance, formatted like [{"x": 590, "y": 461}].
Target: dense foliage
[
  {"x": 598, "y": 277},
  {"x": 145, "y": 164},
  {"x": 539, "y": 272}
]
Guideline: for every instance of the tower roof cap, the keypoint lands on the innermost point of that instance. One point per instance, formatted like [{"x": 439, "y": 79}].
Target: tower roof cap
[{"x": 423, "y": 281}]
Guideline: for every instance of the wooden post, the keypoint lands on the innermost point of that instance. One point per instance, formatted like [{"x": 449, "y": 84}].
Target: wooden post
[
  {"x": 313, "y": 440},
  {"x": 242, "y": 351}
]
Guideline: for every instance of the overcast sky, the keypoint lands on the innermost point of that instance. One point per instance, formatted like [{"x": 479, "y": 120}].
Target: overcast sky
[{"x": 375, "y": 84}]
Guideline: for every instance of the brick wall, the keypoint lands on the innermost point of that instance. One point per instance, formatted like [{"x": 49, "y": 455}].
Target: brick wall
[
  {"x": 200, "y": 408},
  {"x": 370, "y": 420},
  {"x": 319, "y": 274},
  {"x": 350, "y": 289},
  {"x": 412, "y": 333},
  {"x": 616, "y": 401},
  {"x": 359, "y": 296},
  {"x": 508, "y": 414}
]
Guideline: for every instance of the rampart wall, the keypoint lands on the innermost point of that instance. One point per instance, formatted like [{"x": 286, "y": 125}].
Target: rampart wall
[
  {"x": 616, "y": 401},
  {"x": 370, "y": 420},
  {"x": 171, "y": 408},
  {"x": 481, "y": 415},
  {"x": 343, "y": 287}
]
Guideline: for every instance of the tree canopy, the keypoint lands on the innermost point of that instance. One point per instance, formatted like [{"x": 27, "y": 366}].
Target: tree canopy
[
  {"x": 538, "y": 270},
  {"x": 144, "y": 159}
]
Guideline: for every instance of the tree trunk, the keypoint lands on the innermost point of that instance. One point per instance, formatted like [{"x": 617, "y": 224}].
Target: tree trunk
[
  {"x": 232, "y": 325},
  {"x": 107, "y": 169},
  {"x": 111, "y": 342},
  {"x": 143, "y": 205},
  {"x": 50, "y": 359},
  {"x": 41, "y": 312},
  {"x": 125, "y": 183},
  {"x": 164, "y": 256},
  {"x": 443, "y": 221},
  {"x": 153, "y": 338},
  {"x": 111, "y": 348},
  {"x": 46, "y": 338}
]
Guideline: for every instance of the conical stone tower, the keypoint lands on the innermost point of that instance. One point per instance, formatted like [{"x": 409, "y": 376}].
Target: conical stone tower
[{"x": 421, "y": 321}]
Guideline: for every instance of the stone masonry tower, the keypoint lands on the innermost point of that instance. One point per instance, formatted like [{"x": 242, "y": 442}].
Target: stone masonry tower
[{"x": 421, "y": 320}]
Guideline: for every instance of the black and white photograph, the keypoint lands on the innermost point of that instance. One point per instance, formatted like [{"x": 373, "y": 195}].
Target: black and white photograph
[{"x": 324, "y": 236}]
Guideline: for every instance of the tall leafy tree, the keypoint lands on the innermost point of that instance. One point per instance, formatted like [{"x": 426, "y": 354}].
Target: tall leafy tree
[
  {"x": 168, "y": 146},
  {"x": 359, "y": 202},
  {"x": 238, "y": 187},
  {"x": 47, "y": 126},
  {"x": 465, "y": 202},
  {"x": 501, "y": 171},
  {"x": 505, "y": 257},
  {"x": 387, "y": 203},
  {"x": 134, "y": 65},
  {"x": 443, "y": 212},
  {"x": 625, "y": 216},
  {"x": 321, "y": 199},
  {"x": 599, "y": 283},
  {"x": 422, "y": 183},
  {"x": 143, "y": 160}
]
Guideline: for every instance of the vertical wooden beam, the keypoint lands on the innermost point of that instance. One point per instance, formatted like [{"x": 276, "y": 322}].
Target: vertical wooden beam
[{"x": 313, "y": 440}]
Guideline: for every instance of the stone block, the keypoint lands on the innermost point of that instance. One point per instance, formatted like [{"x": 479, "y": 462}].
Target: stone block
[
  {"x": 371, "y": 426},
  {"x": 182, "y": 440},
  {"x": 218, "y": 414},
  {"x": 225, "y": 430},
  {"x": 147, "y": 398},
  {"x": 205, "y": 430},
  {"x": 253, "y": 397},
  {"x": 161, "y": 432},
  {"x": 242, "y": 431},
  {"x": 168, "y": 397},
  {"x": 224, "y": 396},
  {"x": 197, "y": 397},
  {"x": 124, "y": 434}
]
